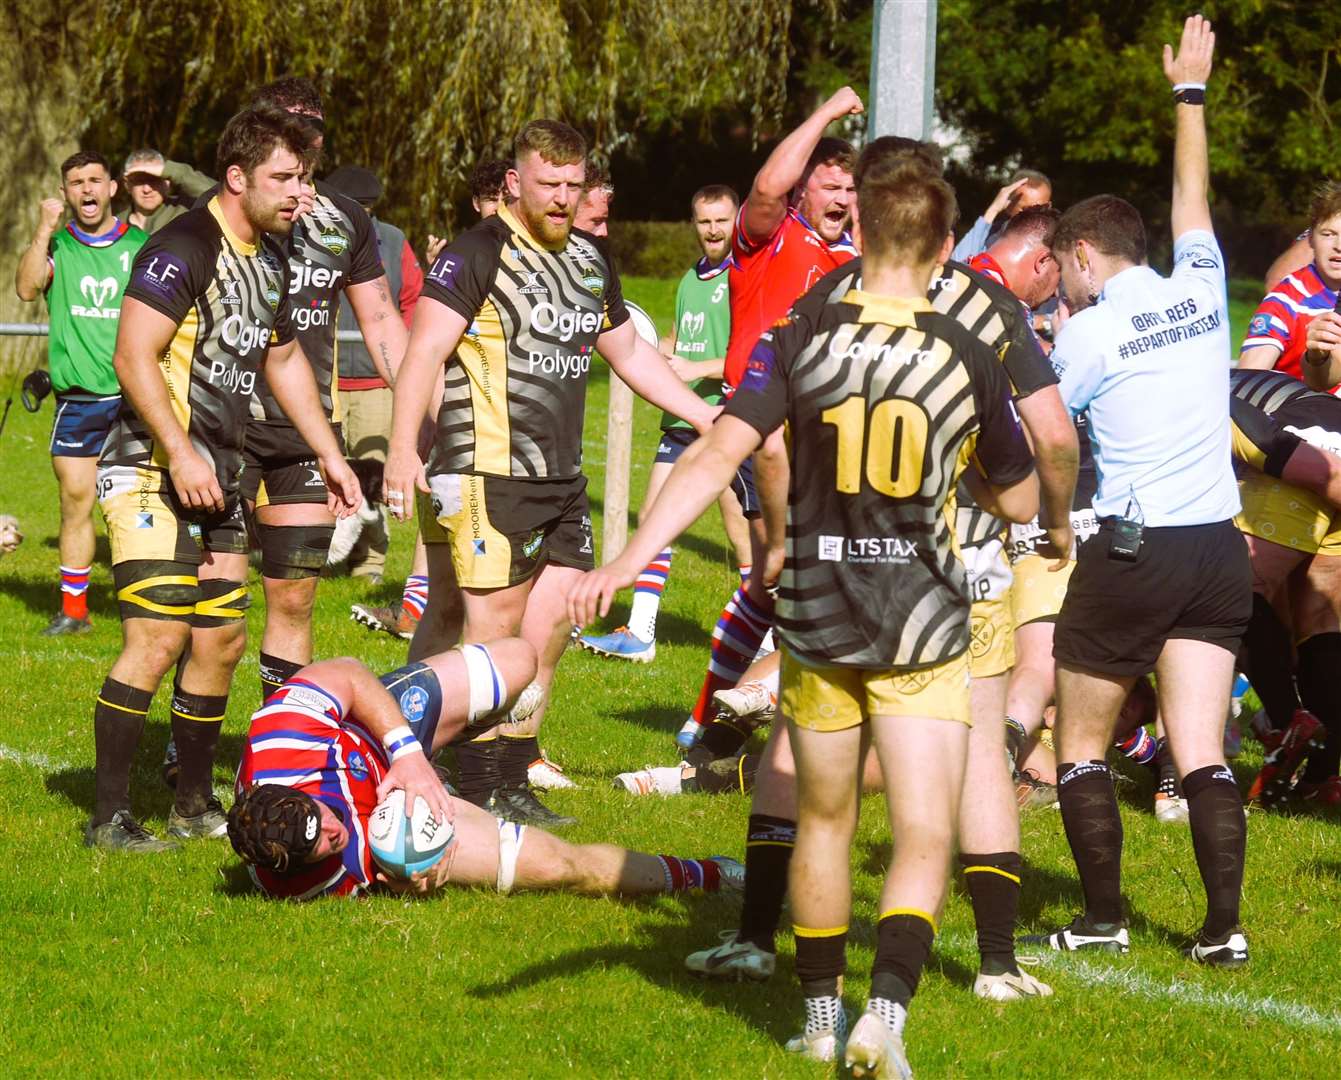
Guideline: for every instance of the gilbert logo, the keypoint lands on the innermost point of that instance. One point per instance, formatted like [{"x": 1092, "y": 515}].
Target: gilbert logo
[{"x": 97, "y": 293}]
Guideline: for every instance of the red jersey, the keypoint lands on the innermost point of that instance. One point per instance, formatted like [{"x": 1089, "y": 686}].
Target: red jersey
[
  {"x": 1282, "y": 318},
  {"x": 767, "y": 277},
  {"x": 989, "y": 267},
  {"x": 300, "y": 738}
]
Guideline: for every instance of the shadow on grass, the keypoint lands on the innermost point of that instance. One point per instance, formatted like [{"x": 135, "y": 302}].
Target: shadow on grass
[
  {"x": 711, "y": 550},
  {"x": 44, "y": 597},
  {"x": 672, "y": 629},
  {"x": 149, "y": 795},
  {"x": 102, "y": 548}
]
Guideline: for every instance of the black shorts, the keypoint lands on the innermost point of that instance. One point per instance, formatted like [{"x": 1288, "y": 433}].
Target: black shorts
[
  {"x": 675, "y": 441},
  {"x": 1190, "y": 582},
  {"x": 279, "y": 467},
  {"x": 418, "y": 694},
  {"x": 502, "y": 531}
]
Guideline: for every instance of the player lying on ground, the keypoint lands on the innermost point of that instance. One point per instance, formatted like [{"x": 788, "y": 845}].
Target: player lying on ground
[{"x": 334, "y": 740}]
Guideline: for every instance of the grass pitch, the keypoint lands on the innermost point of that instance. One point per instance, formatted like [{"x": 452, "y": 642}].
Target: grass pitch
[{"x": 120, "y": 966}]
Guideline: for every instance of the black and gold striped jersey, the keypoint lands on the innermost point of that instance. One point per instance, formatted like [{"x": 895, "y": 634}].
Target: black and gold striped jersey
[
  {"x": 992, "y": 314},
  {"x": 886, "y": 402},
  {"x": 1298, "y": 411},
  {"x": 230, "y": 302},
  {"x": 331, "y": 247},
  {"x": 514, "y": 400}
]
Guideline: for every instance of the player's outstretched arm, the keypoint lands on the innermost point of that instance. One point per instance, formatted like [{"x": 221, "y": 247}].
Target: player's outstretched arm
[
  {"x": 436, "y": 333},
  {"x": 1057, "y": 459},
  {"x": 650, "y": 377},
  {"x": 34, "y": 271},
  {"x": 1316, "y": 470},
  {"x": 383, "y": 329},
  {"x": 142, "y": 336},
  {"x": 1017, "y": 502},
  {"x": 766, "y": 205},
  {"x": 702, "y": 473},
  {"x": 295, "y": 388},
  {"x": 1188, "y": 71}
]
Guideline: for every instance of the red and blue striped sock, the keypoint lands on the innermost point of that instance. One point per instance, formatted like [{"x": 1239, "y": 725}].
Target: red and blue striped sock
[
  {"x": 683, "y": 875},
  {"x": 647, "y": 592},
  {"x": 74, "y": 591},
  {"x": 735, "y": 640},
  {"x": 415, "y": 597}
]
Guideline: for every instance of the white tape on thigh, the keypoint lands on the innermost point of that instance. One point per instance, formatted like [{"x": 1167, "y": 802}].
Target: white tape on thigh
[
  {"x": 487, "y": 689},
  {"x": 771, "y": 680},
  {"x": 510, "y": 838}
]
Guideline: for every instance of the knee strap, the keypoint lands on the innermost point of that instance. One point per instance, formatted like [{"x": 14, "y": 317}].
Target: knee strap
[
  {"x": 294, "y": 551},
  {"x": 220, "y": 602},
  {"x": 488, "y": 691},
  {"x": 510, "y": 840}
]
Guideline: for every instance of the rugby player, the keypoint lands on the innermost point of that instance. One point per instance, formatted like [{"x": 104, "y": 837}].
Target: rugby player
[
  {"x": 790, "y": 231},
  {"x": 1166, "y": 584},
  {"x": 332, "y": 254},
  {"x": 989, "y": 818},
  {"x": 698, "y": 356},
  {"x": 522, "y": 301},
  {"x": 593, "y": 209},
  {"x": 1026, "y": 189},
  {"x": 206, "y": 313},
  {"x": 334, "y": 740},
  {"x": 873, "y": 607},
  {"x": 82, "y": 271},
  {"x": 1278, "y": 333}
]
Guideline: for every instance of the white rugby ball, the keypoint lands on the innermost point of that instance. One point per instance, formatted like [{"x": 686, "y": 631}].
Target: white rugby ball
[
  {"x": 403, "y": 845},
  {"x": 642, "y": 322}
]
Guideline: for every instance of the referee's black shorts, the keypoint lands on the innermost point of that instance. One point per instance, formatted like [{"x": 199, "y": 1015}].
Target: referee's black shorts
[{"x": 1190, "y": 581}]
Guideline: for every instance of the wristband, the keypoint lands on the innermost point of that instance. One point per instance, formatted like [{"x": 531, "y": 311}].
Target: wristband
[
  {"x": 1190, "y": 93},
  {"x": 401, "y": 741}
]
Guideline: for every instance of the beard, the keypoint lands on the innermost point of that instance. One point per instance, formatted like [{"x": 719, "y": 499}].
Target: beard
[
  {"x": 539, "y": 225},
  {"x": 264, "y": 215}
]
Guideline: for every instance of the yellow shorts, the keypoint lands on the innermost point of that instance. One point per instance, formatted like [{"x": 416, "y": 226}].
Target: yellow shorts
[
  {"x": 837, "y": 698},
  {"x": 145, "y": 521},
  {"x": 991, "y": 637},
  {"x": 1292, "y": 517},
  {"x": 1038, "y": 592}
]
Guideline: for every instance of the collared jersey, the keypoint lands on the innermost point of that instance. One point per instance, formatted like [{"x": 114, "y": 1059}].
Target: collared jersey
[
  {"x": 1148, "y": 362},
  {"x": 992, "y": 314},
  {"x": 514, "y": 403},
  {"x": 1281, "y": 319},
  {"x": 887, "y": 401},
  {"x": 88, "y": 276},
  {"x": 702, "y": 326},
  {"x": 300, "y": 738},
  {"x": 767, "y": 276},
  {"x": 989, "y": 267},
  {"x": 230, "y": 303},
  {"x": 330, "y": 248}
]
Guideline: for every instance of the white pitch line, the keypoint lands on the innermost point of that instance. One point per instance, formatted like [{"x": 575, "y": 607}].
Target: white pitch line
[{"x": 29, "y": 757}]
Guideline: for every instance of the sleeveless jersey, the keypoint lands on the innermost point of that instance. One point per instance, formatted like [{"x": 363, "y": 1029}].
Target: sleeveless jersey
[
  {"x": 886, "y": 401},
  {"x": 88, "y": 276},
  {"x": 702, "y": 327},
  {"x": 229, "y": 301},
  {"x": 301, "y": 739},
  {"x": 515, "y": 400}
]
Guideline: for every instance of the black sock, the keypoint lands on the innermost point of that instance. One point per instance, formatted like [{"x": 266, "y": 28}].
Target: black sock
[
  {"x": 993, "y": 883},
  {"x": 723, "y": 738},
  {"x": 1320, "y": 687},
  {"x": 724, "y": 776},
  {"x": 1219, "y": 837},
  {"x": 275, "y": 673},
  {"x": 821, "y": 959},
  {"x": 515, "y": 757},
  {"x": 902, "y": 945},
  {"x": 1015, "y": 740},
  {"x": 118, "y": 722},
  {"x": 1094, "y": 831},
  {"x": 1267, "y": 661},
  {"x": 197, "y": 720},
  {"x": 768, "y": 856},
  {"x": 478, "y": 769},
  {"x": 1167, "y": 776}
]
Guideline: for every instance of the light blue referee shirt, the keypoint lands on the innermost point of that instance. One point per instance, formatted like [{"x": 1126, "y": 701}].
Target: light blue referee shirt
[{"x": 1150, "y": 361}]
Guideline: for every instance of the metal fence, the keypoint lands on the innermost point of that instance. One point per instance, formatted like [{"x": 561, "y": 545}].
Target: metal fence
[{"x": 18, "y": 329}]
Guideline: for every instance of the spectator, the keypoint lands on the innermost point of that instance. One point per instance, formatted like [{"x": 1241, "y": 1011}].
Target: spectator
[
  {"x": 488, "y": 191},
  {"x": 1025, "y": 189},
  {"x": 82, "y": 270},
  {"x": 159, "y": 190},
  {"x": 593, "y": 210},
  {"x": 365, "y": 397}
]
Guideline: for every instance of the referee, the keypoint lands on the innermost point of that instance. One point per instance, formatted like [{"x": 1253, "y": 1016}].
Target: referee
[{"x": 1166, "y": 584}]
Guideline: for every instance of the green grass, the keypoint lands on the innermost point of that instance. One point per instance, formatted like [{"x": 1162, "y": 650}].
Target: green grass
[{"x": 118, "y": 966}]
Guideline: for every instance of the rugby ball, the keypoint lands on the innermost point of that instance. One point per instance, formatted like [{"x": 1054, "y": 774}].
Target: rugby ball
[
  {"x": 403, "y": 845},
  {"x": 642, "y": 322}
]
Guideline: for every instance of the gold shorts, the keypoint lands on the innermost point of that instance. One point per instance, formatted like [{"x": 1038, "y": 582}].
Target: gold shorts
[
  {"x": 145, "y": 521},
  {"x": 823, "y": 698},
  {"x": 991, "y": 637},
  {"x": 1038, "y": 592},
  {"x": 1292, "y": 517}
]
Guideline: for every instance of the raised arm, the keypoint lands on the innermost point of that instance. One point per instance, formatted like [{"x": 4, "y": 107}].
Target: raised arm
[
  {"x": 34, "y": 270},
  {"x": 766, "y": 205},
  {"x": 1188, "y": 72},
  {"x": 383, "y": 331}
]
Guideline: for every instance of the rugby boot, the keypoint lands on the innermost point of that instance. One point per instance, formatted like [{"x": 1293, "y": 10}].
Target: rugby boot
[
  {"x": 1230, "y": 951},
  {"x": 1272, "y": 784}
]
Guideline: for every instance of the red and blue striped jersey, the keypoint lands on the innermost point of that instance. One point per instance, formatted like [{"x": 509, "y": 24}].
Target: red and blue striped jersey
[
  {"x": 301, "y": 738},
  {"x": 1282, "y": 318}
]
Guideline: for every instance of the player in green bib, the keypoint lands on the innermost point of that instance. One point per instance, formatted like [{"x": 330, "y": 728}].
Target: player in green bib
[
  {"x": 697, "y": 354},
  {"x": 82, "y": 269}
]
